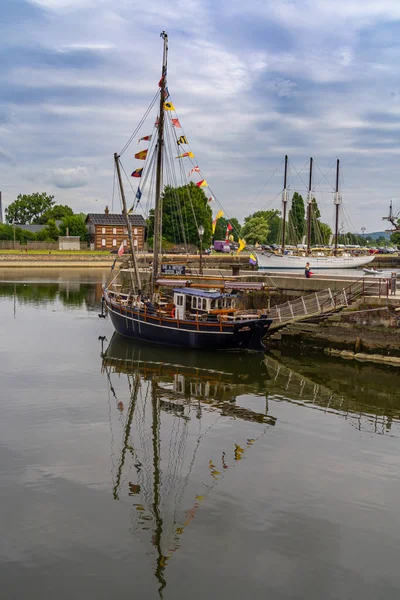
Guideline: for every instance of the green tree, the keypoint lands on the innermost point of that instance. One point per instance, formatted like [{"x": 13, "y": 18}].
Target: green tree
[
  {"x": 29, "y": 208},
  {"x": 222, "y": 224},
  {"x": 184, "y": 209},
  {"x": 297, "y": 220},
  {"x": 270, "y": 221},
  {"x": 76, "y": 226},
  {"x": 395, "y": 237},
  {"x": 255, "y": 230},
  {"x": 57, "y": 212},
  {"x": 6, "y": 232},
  {"x": 51, "y": 230}
]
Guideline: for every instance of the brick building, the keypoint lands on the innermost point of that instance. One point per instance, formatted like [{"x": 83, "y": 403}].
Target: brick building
[{"x": 107, "y": 231}]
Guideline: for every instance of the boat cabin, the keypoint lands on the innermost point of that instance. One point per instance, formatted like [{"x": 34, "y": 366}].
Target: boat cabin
[{"x": 194, "y": 301}]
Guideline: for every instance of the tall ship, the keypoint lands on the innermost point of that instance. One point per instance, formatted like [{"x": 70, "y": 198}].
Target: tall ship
[
  {"x": 323, "y": 258},
  {"x": 190, "y": 316}
]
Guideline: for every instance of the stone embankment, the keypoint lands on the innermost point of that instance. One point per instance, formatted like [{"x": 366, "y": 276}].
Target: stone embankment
[{"x": 367, "y": 330}]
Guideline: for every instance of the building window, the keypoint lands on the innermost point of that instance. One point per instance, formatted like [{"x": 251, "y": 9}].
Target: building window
[
  {"x": 125, "y": 243},
  {"x": 135, "y": 242},
  {"x": 125, "y": 231},
  {"x": 114, "y": 231},
  {"x": 103, "y": 230},
  {"x": 135, "y": 231},
  {"x": 103, "y": 242},
  {"x": 114, "y": 242}
]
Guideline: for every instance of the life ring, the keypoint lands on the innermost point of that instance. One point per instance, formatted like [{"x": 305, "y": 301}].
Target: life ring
[{"x": 173, "y": 311}]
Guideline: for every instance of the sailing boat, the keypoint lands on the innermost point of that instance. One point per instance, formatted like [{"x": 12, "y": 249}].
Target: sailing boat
[
  {"x": 195, "y": 317},
  {"x": 282, "y": 260},
  {"x": 171, "y": 453}
]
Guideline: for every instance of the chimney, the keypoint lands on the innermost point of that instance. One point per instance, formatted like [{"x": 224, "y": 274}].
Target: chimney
[
  {"x": 106, "y": 211},
  {"x": 1, "y": 210}
]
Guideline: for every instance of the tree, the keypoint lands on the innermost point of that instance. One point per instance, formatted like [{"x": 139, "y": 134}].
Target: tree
[
  {"x": 29, "y": 208},
  {"x": 51, "y": 230},
  {"x": 255, "y": 230},
  {"x": 266, "y": 225},
  {"x": 297, "y": 221},
  {"x": 185, "y": 208},
  {"x": 57, "y": 212},
  {"x": 222, "y": 224},
  {"x": 76, "y": 226},
  {"x": 395, "y": 237}
]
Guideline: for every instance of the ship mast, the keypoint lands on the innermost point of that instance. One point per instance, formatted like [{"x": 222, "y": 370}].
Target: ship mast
[
  {"x": 337, "y": 202},
  {"x": 157, "y": 245},
  {"x": 284, "y": 200},
  {"x": 309, "y": 209},
  {"x": 128, "y": 226}
]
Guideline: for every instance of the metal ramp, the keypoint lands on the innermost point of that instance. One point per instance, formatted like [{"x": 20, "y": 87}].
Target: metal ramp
[{"x": 324, "y": 302}]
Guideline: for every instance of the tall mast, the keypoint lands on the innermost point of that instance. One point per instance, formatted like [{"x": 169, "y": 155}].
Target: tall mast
[
  {"x": 309, "y": 209},
  {"x": 157, "y": 246},
  {"x": 338, "y": 202},
  {"x": 284, "y": 200},
  {"x": 128, "y": 224}
]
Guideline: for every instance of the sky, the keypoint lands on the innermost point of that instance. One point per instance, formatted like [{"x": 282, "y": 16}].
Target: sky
[{"x": 251, "y": 81}]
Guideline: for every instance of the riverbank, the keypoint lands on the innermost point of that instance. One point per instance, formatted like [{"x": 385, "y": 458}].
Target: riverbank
[{"x": 369, "y": 330}]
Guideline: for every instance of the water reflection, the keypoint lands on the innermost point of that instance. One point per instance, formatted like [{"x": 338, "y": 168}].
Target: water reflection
[
  {"x": 365, "y": 394},
  {"x": 169, "y": 410},
  {"x": 72, "y": 294},
  {"x": 164, "y": 420}
]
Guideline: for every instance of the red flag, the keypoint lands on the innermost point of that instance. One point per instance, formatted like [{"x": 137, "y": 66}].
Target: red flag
[
  {"x": 175, "y": 123},
  {"x": 121, "y": 249},
  {"x": 228, "y": 229},
  {"x": 210, "y": 199},
  {"x": 194, "y": 170},
  {"x": 156, "y": 123}
]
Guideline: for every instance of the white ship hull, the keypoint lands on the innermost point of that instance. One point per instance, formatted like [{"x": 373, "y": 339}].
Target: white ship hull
[{"x": 287, "y": 261}]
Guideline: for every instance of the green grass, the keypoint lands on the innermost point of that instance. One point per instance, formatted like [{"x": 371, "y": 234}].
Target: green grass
[{"x": 59, "y": 252}]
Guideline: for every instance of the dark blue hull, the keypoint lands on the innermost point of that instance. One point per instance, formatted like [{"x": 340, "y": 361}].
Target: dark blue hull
[{"x": 137, "y": 325}]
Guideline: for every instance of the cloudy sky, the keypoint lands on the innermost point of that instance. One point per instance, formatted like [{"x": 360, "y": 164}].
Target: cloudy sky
[{"x": 251, "y": 81}]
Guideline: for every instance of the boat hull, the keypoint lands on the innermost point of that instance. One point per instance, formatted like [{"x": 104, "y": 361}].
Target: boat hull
[
  {"x": 287, "y": 261},
  {"x": 134, "y": 324}
]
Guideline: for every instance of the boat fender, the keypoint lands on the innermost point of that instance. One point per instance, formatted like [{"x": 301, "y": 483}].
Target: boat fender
[{"x": 173, "y": 312}]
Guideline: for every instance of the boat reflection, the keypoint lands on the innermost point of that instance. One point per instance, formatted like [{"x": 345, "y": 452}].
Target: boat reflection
[{"x": 169, "y": 409}]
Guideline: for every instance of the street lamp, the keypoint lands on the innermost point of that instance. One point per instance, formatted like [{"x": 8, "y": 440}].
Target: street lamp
[{"x": 201, "y": 233}]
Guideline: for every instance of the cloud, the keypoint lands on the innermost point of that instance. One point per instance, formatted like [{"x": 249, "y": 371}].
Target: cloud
[
  {"x": 69, "y": 178},
  {"x": 251, "y": 82}
]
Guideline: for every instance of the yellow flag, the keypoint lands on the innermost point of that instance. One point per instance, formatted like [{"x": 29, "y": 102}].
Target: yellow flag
[
  {"x": 218, "y": 216},
  {"x": 242, "y": 244},
  {"x": 169, "y": 106},
  {"x": 189, "y": 154}
]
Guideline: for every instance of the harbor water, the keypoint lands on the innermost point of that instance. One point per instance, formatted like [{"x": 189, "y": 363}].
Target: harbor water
[{"x": 134, "y": 470}]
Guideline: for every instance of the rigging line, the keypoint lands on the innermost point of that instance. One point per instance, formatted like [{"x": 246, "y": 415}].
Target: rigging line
[
  {"x": 170, "y": 170},
  {"x": 264, "y": 186},
  {"x": 298, "y": 174},
  {"x": 324, "y": 175},
  {"x": 138, "y": 127},
  {"x": 132, "y": 188},
  {"x": 113, "y": 190},
  {"x": 185, "y": 234}
]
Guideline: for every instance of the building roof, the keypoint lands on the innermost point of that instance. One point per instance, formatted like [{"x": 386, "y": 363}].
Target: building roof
[
  {"x": 36, "y": 228},
  {"x": 115, "y": 219}
]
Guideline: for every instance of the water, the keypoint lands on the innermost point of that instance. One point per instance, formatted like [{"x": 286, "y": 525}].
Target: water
[{"x": 138, "y": 471}]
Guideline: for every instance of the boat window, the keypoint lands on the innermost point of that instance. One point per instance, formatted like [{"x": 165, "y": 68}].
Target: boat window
[
  {"x": 103, "y": 242},
  {"x": 114, "y": 242},
  {"x": 194, "y": 302},
  {"x": 204, "y": 304},
  {"x": 179, "y": 300}
]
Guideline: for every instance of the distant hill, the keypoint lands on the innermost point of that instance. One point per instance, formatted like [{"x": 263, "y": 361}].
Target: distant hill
[{"x": 376, "y": 234}]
